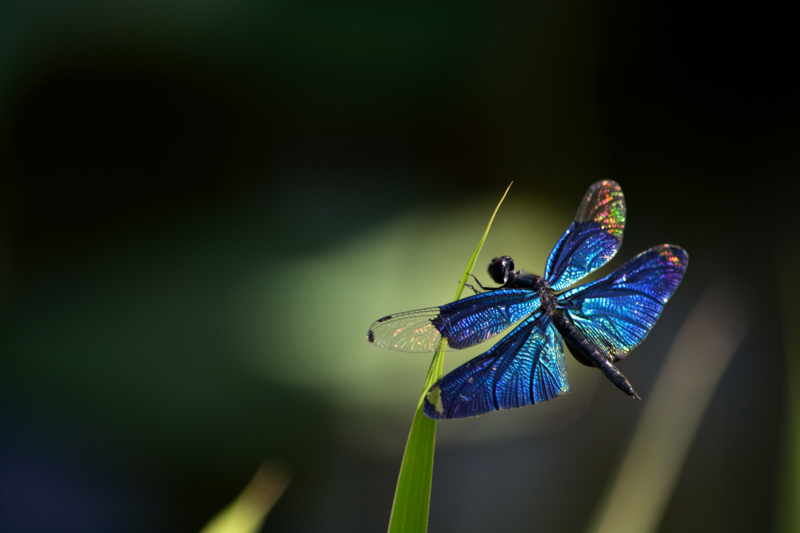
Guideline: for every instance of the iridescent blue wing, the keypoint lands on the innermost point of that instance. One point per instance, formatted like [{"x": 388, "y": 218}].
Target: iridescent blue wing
[
  {"x": 592, "y": 239},
  {"x": 617, "y": 312},
  {"x": 463, "y": 323},
  {"x": 527, "y": 366}
]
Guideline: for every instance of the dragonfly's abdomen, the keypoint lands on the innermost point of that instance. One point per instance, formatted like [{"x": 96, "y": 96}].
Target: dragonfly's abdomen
[{"x": 576, "y": 340}]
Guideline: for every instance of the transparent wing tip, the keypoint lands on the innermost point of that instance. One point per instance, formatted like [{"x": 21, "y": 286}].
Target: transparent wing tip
[
  {"x": 412, "y": 331},
  {"x": 371, "y": 330}
]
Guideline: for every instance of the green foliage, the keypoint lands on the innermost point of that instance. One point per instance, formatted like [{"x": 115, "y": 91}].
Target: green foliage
[{"x": 413, "y": 494}]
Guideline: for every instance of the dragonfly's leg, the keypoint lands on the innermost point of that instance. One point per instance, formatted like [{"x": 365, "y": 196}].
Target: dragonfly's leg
[
  {"x": 479, "y": 284},
  {"x": 476, "y": 291}
]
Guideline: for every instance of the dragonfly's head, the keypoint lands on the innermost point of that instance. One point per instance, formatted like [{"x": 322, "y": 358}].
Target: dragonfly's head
[{"x": 501, "y": 269}]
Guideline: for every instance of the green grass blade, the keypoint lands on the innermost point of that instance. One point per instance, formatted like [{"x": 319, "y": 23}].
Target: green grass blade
[
  {"x": 477, "y": 251},
  {"x": 413, "y": 494}
]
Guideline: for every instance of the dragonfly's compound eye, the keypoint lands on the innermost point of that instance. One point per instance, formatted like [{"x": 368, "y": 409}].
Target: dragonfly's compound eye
[{"x": 500, "y": 268}]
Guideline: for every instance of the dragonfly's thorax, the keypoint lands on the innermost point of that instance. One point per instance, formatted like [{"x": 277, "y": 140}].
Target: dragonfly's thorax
[{"x": 546, "y": 295}]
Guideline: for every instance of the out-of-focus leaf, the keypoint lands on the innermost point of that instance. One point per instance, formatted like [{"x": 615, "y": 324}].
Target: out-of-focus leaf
[
  {"x": 709, "y": 337},
  {"x": 247, "y": 512},
  {"x": 788, "y": 519}
]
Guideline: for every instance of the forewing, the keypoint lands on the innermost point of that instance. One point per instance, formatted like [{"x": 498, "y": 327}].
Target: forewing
[
  {"x": 592, "y": 239},
  {"x": 617, "y": 312},
  {"x": 470, "y": 321},
  {"x": 463, "y": 323},
  {"x": 525, "y": 367}
]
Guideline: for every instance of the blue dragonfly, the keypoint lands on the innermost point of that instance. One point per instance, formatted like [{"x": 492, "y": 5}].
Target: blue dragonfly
[{"x": 600, "y": 322}]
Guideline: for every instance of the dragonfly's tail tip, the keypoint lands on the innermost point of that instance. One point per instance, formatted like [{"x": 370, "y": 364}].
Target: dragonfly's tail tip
[{"x": 635, "y": 396}]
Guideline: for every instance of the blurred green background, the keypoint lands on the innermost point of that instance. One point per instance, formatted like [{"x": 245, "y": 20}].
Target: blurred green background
[{"x": 204, "y": 205}]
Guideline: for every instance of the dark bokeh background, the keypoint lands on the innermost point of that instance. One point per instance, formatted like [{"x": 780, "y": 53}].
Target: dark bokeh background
[{"x": 204, "y": 205}]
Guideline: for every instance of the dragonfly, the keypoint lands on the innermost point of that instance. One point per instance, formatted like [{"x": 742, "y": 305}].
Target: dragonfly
[{"x": 600, "y": 322}]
